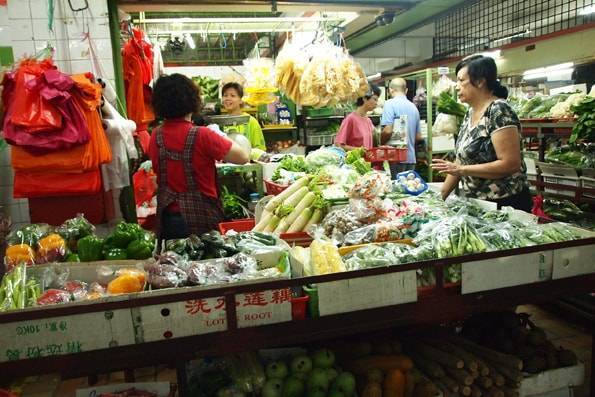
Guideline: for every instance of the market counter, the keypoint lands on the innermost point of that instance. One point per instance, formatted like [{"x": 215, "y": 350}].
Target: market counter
[{"x": 175, "y": 325}]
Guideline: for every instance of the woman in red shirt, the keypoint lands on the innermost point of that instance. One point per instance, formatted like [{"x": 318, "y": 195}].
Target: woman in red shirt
[
  {"x": 183, "y": 158},
  {"x": 357, "y": 128}
]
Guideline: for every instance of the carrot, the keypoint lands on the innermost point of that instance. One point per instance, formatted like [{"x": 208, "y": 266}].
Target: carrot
[
  {"x": 394, "y": 384},
  {"x": 384, "y": 363}
]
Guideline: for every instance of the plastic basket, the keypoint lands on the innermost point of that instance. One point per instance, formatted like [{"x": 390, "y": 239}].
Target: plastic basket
[
  {"x": 298, "y": 307},
  {"x": 320, "y": 112},
  {"x": 274, "y": 188},
  {"x": 386, "y": 154},
  {"x": 245, "y": 225}
]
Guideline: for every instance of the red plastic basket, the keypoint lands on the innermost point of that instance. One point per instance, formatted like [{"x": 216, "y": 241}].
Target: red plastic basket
[
  {"x": 377, "y": 154},
  {"x": 245, "y": 225},
  {"x": 274, "y": 188}
]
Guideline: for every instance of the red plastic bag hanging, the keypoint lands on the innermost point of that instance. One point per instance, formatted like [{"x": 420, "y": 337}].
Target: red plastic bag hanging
[
  {"x": 30, "y": 109},
  {"x": 144, "y": 186}
]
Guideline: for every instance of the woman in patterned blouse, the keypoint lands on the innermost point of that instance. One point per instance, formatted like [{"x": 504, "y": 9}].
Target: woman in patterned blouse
[{"x": 489, "y": 163}]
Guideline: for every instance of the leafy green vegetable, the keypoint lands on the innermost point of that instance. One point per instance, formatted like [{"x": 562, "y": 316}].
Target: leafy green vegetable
[
  {"x": 284, "y": 210},
  {"x": 584, "y": 127},
  {"x": 580, "y": 155},
  {"x": 290, "y": 163},
  {"x": 449, "y": 105},
  {"x": 355, "y": 158},
  {"x": 233, "y": 205}
]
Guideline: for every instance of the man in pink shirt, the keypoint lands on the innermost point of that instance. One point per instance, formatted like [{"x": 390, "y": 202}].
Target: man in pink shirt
[{"x": 357, "y": 128}]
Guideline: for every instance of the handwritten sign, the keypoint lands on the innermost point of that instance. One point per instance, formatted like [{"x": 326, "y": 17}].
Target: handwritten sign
[
  {"x": 505, "y": 272},
  {"x": 65, "y": 335},
  {"x": 367, "y": 292}
]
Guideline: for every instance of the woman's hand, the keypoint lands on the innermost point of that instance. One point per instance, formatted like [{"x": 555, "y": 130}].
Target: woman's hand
[{"x": 447, "y": 167}]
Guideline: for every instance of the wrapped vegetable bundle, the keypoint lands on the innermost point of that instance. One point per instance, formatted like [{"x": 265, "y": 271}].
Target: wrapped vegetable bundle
[
  {"x": 17, "y": 291},
  {"x": 376, "y": 233},
  {"x": 452, "y": 236},
  {"x": 375, "y": 255}
]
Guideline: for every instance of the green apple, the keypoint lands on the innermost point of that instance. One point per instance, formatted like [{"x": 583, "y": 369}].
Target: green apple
[
  {"x": 293, "y": 387},
  {"x": 316, "y": 393},
  {"x": 323, "y": 358},
  {"x": 336, "y": 393},
  {"x": 276, "y": 370},
  {"x": 331, "y": 374},
  {"x": 346, "y": 383},
  {"x": 317, "y": 380},
  {"x": 272, "y": 388},
  {"x": 301, "y": 364},
  {"x": 301, "y": 375}
]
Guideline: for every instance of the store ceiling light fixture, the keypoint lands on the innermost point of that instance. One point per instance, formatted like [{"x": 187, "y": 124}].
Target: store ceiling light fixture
[
  {"x": 587, "y": 10},
  {"x": 512, "y": 36},
  {"x": 540, "y": 73},
  {"x": 492, "y": 54}
]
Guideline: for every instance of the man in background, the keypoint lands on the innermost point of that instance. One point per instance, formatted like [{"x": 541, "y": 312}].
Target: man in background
[{"x": 400, "y": 125}]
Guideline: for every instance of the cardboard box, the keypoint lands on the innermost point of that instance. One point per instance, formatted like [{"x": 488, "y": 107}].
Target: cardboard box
[
  {"x": 531, "y": 178},
  {"x": 443, "y": 143},
  {"x": 559, "y": 175},
  {"x": 588, "y": 183},
  {"x": 553, "y": 380},
  {"x": 162, "y": 389}
]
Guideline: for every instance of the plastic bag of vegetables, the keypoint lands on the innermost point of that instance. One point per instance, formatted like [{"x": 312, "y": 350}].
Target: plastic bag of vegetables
[
  {"x": 375, "y": 255},
  {"x": 325, "y": 156},
  {"x": 376, "y": 233},
  {"x": 453, "y": 236},
  {"x": 445, "y": 124}
]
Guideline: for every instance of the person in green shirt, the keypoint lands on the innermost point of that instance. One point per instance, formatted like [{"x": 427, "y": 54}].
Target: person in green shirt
[{"x": 232, "y": 94}]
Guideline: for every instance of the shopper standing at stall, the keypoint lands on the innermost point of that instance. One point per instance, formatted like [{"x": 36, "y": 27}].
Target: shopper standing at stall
[
  {"x": 400, "y": 125},
  {"x": 357, "y": 129},
  {"x": 183, "y": 158},
  {"x": 232, "y": 94},
  {"x": 489, "y": 163}
]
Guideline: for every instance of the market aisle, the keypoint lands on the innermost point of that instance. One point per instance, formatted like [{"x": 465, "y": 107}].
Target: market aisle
[{"x": 567, "y": 335}]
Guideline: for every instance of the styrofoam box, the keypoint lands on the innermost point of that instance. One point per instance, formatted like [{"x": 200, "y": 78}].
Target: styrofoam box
[
  {"x": 588, "y": 183},
  {"x": 559, "y": 175},
  {"x": 443, "y": 143},
  {"x": 531, "y": 167},
  {"x": 553, "y": 380},
  {"x": 532, "y": 177}
]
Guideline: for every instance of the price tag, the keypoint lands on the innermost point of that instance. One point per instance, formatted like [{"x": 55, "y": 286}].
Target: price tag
[
  {"x": 367, "y": 292},
  {"x": 443, "y": 70},
  {"x": 65, "y": 335}
]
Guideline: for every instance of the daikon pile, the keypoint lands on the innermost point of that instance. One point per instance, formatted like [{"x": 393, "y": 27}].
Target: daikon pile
[{"x": 293, "y": 210}]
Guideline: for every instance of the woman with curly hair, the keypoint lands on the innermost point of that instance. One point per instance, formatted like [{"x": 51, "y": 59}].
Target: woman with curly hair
[{"x": 183, "y": 158}]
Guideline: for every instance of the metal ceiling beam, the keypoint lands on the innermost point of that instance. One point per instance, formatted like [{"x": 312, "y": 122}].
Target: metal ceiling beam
[{"x": 422, "y": 13}]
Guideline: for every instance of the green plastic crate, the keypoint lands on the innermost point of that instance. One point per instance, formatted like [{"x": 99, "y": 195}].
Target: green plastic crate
[{"x": 320, "y": 112}]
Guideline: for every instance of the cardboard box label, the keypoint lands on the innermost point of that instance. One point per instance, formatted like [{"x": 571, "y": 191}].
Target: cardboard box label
[
  {"x": 505, "y": 272},
  {"x": 574, "y": 261},
  {"x": 179, "y": 319},
  {"x": 65, "y": 335},
  {"x": 203, "y": 316},
  {"x": 367, "y": 292}
]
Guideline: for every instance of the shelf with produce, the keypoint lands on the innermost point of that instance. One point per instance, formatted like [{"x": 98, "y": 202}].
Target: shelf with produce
[{"x": 439, "y": 306}]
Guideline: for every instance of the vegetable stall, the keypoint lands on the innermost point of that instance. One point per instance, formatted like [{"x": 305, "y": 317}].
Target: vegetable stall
[{"x": 388, "y": 253}]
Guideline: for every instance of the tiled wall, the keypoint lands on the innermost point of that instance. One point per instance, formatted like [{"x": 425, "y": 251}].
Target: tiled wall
[{"x": 24, "y": 27}]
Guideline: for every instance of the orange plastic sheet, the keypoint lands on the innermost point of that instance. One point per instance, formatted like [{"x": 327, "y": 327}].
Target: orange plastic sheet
[{"x": 52, "y": 184}]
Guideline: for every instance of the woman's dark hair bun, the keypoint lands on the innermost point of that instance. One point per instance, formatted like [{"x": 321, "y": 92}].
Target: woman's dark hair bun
[{"x": 480, "y": 67}]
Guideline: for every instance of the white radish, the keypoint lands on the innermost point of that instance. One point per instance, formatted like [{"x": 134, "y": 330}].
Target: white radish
[
  {"x": 296, "y": 197},
  {"x": 272, "y": 224},
  {"x": 282, "y": 226},
  {"x": 278, "y": 199},
  {"x": 301, "y": 206},
  {"x": 301, "y": 221},
  {"x": 265, "y": 218},
  {"x": 316, "y": 217}
]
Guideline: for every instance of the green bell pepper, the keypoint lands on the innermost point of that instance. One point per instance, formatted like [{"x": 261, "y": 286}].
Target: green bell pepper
[
  {"x": 124, "y": 234},
  {"x": 139, "y": 249},
  {"x": 90, "y": 249},
  {"x": 115, "y": 254},
  {"x": 72, "y": 257}
]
